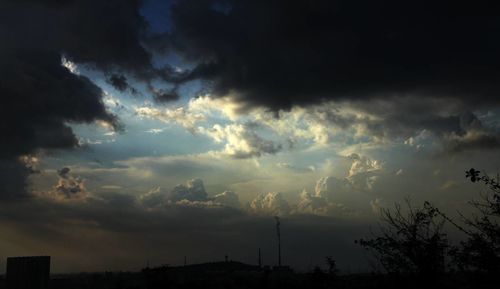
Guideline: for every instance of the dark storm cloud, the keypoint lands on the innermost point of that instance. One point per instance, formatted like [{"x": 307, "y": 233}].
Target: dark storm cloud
[
  {"x": 63, "y": 173},
  {"x": 283, "y": 53},
  {"x": 409, "y": 65},
  {"x": 39, "y": 97},
  {"x": 13, "y": 176},
  {"x": 119, "y": 82},
  {"x": 105, "y": 34},
  {"x": 407, "y": 116},
  {"x": 479, "y": 142},
  {"x": 162, "y": 95},
  {"x": 473, "y": 136}
]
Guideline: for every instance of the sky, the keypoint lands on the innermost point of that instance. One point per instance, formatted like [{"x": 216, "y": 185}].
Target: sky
[{"x": 151, "y": 130}]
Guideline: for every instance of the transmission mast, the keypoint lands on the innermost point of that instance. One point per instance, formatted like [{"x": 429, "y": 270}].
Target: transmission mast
[{"x": 278, "y": 231}]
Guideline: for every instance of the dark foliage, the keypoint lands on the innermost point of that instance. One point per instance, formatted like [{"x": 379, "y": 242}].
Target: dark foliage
[
  {"x": 332, "y": 266},
  {"x": 411, "y": 242},
  {"x": 480, "y": 252}
]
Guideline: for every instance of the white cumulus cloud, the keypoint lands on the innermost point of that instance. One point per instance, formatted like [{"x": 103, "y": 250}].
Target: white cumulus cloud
[{"x": 271, "y": 203}]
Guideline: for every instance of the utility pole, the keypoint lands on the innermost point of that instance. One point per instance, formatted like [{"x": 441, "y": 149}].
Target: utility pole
[
  {"x": 260, "y": 260},
  {"x": 279, "y": 239}
]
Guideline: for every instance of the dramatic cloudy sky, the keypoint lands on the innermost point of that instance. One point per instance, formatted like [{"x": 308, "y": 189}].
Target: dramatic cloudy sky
[{"x": 152, "y": 129}]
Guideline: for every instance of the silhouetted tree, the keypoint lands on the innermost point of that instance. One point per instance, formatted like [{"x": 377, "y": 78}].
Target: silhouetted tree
[
  {"x": 481, "y": 251},
  {"x": 332, "y": 266},
  {"x": 411, "y": 241}
]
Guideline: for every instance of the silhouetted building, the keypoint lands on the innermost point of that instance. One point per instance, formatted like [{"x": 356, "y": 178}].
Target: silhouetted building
[{"x": 28, "y": 272}]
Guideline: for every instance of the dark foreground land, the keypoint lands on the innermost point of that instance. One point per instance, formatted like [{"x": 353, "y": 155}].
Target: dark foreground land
[{"x": 238, "y": 275}]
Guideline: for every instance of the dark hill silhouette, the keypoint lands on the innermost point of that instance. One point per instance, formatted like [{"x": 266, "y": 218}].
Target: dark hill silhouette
[{"x": 218, "y": 266}]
